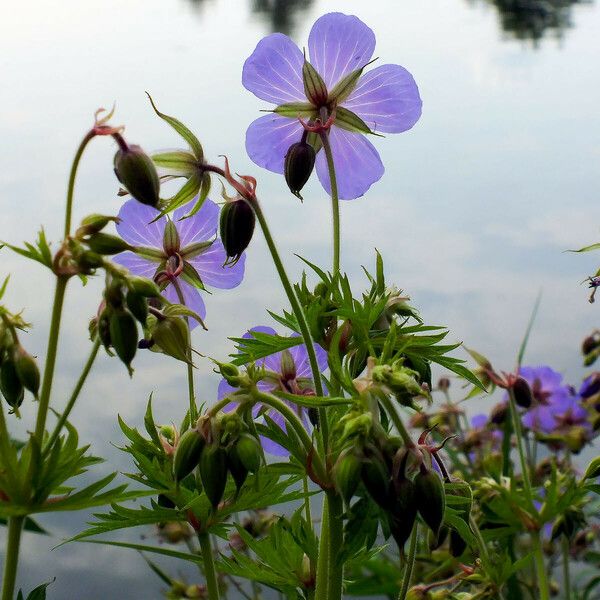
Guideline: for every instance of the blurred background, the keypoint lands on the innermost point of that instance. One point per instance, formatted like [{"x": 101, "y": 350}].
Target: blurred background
[{"x": 479, "y": 201}]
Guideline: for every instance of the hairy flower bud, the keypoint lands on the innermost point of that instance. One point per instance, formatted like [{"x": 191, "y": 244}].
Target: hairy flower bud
[
  {"x": 213, "y": 472},
  {"x": 136, "y": 171},
  {"x": 187, "y": 454},
  {"x": 236, "y": 227},
  {"x": 236, "y": 467},
  {"x": 138, "y": 305},
  {"x": 93, "y": 224},
  {"x": 171, "y": 335},
  {"x": 27, "y": 369},
  {"x": 106, "y": 243},
  {"x": 347, "y": 474},
  {"x": 124, "y": 335},
  {"x": 404, "y": 510},
  {"x": 10, "y": 385},
  {"x": 522, "y": 393},
  {"x": 376, "y": 479},
  {"x": 143, "y": 286},
  {"x": 298, "y": 166},
  {"x": 249, "y": 452},
  {"x": 430, "y": 498},
  {"x": 499, "y": 413}
]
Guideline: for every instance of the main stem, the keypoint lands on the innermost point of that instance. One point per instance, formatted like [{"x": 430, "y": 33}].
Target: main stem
[
  {"x": 410, "y": 562},
  {"x": 59, "y": 296},
  {"x": 335, "y": 202},
  {"x": 300, "y": 318},
  {"x": 15, "y": 526},
  {"x": 538, "y": 555},
  {"x": 209, "y": 566},
  {"x": 566, "y": 567},
  {"x": 71, "y": 186}
]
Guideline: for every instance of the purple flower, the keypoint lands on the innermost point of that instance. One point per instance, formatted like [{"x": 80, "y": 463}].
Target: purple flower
[
  {"x": 552, "y": 401},
  {"x": 188, "y": 263},
  {"x": 287, "y": 371},
  {"x": 385, "y": 98}
]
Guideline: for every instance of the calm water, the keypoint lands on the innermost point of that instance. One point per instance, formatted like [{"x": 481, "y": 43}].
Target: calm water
[{"x": 479, "y": 201}]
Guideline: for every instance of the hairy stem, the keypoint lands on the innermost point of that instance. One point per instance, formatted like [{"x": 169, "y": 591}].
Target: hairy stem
[
  {"x": 410, "y": 562},
  {"x": 59, "y": 296},
  {"x": 71, "y": 186},
  {"x": 566, "y": 567},
  {"x": 209, "y": 566},
  {"x": 11, "y": 561},
  {"x": 300, "y": 318},
  {"x": 335, "y": 202}
]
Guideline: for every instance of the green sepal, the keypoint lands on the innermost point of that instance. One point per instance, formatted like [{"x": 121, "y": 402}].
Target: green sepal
[
  {"x": 314, "y": 86},
  {"x": 345, "y": 86},
  {"x": 194, "y": 250},
  {"x": 171, "y": 239},
  {"x": 202, "y": 195},
  {"x": 182, "y": 130},
  {"x": 350, "y": 121},
  {"x": 296, "y": 109},
  {"x": 191, "y": 276},
  {"x": 177, "y": 162},
  {"x": 187, "y": 191}
]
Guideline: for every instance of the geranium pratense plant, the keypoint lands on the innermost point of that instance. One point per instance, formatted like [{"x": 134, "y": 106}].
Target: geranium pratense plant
[{"x": 441, "y": 508}]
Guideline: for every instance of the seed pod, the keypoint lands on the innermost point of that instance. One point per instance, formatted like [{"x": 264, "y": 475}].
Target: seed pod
[
  {"x": 93, "y": 224},
  {"x": 143, "y": 286},
  {"x": 213, "y": 473},
  {"x": 237, "y": 469},
  {"x": 457, "y": 544},
  {"x": 522, "y": 392},
  {"x": 435, "y": 541},
  {"x": 248, "y": 449},
  {"x": 136, "y": 171},
  {"x": 106, "y": 243},
  {"x": 124, "y": 335},
  {"x": 27, "y": 369},
  {"x": 403, "y": 512},
  {"x": 171, "y": 335},
  {"x": 10, "y": 385},
  {"x": 187, "y": 454},
  {"x": 376, "y": 479},
  {"x": 88, "y": 261},
  {"x": 430, "y": 498},
  {"x": 138, "y": 305},
  {"x": 236, "y": 227},
  {"x": 347, "y": 475},
  {"x": 298, "y": 166}
]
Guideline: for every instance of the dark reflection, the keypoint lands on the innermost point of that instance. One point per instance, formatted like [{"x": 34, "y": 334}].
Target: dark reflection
[
  {"x": 280, "y": 15},
  {"x": 535, "y": 19}
]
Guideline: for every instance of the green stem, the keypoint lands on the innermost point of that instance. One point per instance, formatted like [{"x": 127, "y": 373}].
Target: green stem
[
  {"x": 410, "y": 563},
  {"x": 300, "y": 318},
  {"x": 11, "y": 561},
  {"x": 336, "y": 541},
  {"x": 305, "y": 489},
  {"x": 566, "y": 570},
  {"x": 209, "y": 566},
  {"x": 396, "y": 420},
  {"x": 71, "y": 403},
  {"x": 335, "y": 202},
  {"x": 322, "y": 577},
  {"x": 538, "y": 555},
  {"x": 59, "y": 296},
  {"x": 190, "y": 369},
  {"x": 71, "y": 186}
]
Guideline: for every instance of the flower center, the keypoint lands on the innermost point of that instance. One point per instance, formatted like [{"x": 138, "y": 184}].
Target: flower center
[{"x": 541, "y": 396}]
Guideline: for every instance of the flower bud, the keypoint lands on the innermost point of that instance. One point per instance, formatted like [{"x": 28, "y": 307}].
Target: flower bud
[
  {"x": 376, "y": 480},
  {"x": 143, "y": 286},
  {"x": 288, "y": 366},
  {"x": 236, "y": 226},
  {"x": 236, "y": 467},
  {"x": 499, "y": 413},
  {"x": 249, "y": 452},
  {"x": 27, "y": 369},
  {"x": 171, "y": 335},
  {"x": 430, "y": 498},
  {"x": 230, "y": 373},
  {"x": 298, "y": 166},
  {"x": 569, "y": 523},
  {"x": 522, "y": 393},
  {"x": 187, "y": 454},
  {"x": 136, "y": 171},
  {"x": 347, "y": 474},
  {"x": 435, "y": 541},
  {"x": 138, "y": 305},
  {"x": 124, "y": 336},
  {"x": 88, "y": 261},
  {"x": 404, "y": 510},
  {"x": 106, "y": 244},
  {"x": 10, "y": 384},
  {"x": 103, "y": 328},
  {"x": 213, "y": 472},
  {"x": 93, "y": 224},
  {"x": 457, "y": 544}
]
